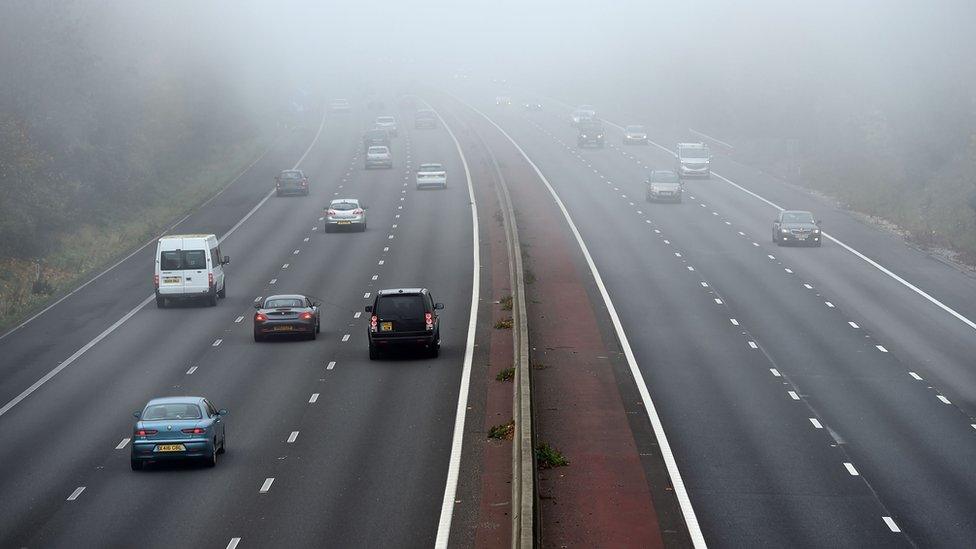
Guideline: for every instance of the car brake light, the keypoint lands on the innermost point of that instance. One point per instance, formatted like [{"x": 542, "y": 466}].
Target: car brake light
[
  {"x": 429, "y": 318},
  {"x": 331, "y": 212},
  {"x": 156, "y": 281},
  {"x": 358, "y": 211},
  {"x": 195, "y": 431},
  {"x": 260, "y": 317},
  {"x": 210, "y": 279},
  {"x": 372, "y": 323},
  {"x": 305, "y": 316},
  {"x": 304, "y": 182},
  {"x": 146, "y": 432}
]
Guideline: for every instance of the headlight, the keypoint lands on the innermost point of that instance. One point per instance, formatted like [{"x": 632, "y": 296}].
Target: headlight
[
  {"x": 600, "y": 136},
  {"x": 785, "y": 231},
  {"x": 816, "y": 231}
]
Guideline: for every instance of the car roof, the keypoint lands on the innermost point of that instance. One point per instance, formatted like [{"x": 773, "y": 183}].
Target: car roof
[
  {"x": 431, "y": 165},
  {"x": 291, "y": 171},
  {"x": 185, "y": 236},
  {"x": 399, "y": 291},
  {"x": 285, "y": 296},
  {"x": 797, "y": 212},
  {"x": 378, "y": 147},
  {"x": 341, "y": 200},
  {"x": 635, "y": 126},
  {"x": 175, "y": 400},
  {"x": 655, "y": 172},
  {"x": 385, "y": 117},
  {"x": 691, "y": 145}
]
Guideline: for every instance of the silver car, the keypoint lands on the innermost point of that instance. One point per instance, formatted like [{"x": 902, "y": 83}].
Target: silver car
[
  {"x": 345, "y": 213},
  {"x": 663, "y": 185},
  {"x": 431, "y": 175},
  {"x": 635, "y": 134},
  {"x": 387, "y": 123},
  {"x": 378, "y": 156}
]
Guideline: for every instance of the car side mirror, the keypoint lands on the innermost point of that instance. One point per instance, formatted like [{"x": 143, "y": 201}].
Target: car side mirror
[
  {"x": 225, "y": 260},
  {"x": 438, "y": 306},
  {"x": 136, "y": 414},
  {"x": 222, "y": 412},
  {"x": 257, "y": 305},
  {"x": 369, "y": 308}
]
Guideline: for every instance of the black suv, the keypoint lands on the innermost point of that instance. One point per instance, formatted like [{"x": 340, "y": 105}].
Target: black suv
[
  {"x": 404, "y": 317},
  {"x": 590, "y": 133},
  {"x": 376, "y": 137},
  {"x": 796, "y": 226}
]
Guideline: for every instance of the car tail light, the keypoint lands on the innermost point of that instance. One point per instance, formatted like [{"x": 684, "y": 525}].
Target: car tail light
[
  {"x": 330, "y": 212},
  {"x": 358, "y": 211},
  {"x": 305, "y": 316},
  {"x": 195, "y": 431},
  {"x": 429, "y": 318},
  {"x": 260, "y": 317},
  {"x": 156, "y": 281},
  {"x": 373, "y": 321},
  {"x": 145, "y": 432},
  {"x": 304, "y": 182},
  {"x": 210, "y": 279}
]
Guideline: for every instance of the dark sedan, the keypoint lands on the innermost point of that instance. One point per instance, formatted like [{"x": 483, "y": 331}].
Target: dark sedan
[
  {"x": 285, "y": 315},
  {"x": 796, "y": 227},
  {"x": 291, "y": 182},
  {"x": 178, "y": 428}
]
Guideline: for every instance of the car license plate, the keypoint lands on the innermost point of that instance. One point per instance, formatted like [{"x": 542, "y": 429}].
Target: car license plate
[
  {"x": 345, "y": 222},
  {"x": 285, "y": 328},
  {"x": 171, "y": 279},
  {"x": 170, "y": 448},
  {"x": 801, "y": 237},
  {"x": 386, "y": 326}
]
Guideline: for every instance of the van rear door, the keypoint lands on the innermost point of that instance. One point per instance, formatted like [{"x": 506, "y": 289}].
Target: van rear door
[
  {"x": 195, "y": 279},
  {"x": 171, "y": 271}
]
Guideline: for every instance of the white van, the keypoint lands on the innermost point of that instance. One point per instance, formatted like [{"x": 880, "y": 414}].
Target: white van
[{"x": 189, "y": 266}]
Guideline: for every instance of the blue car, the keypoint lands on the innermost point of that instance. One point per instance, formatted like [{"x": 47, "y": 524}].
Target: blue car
[{"x": 178, "y": 428}]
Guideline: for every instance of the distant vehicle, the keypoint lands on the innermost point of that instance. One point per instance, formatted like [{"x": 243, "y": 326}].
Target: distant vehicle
[
  {"x": 663, "y": 185},
  {"x": 178, "y": 428},
  {"x": 387, "y": 123},
  {"x": 378, "y": 156},
  {"x": 376, "y": 137},
  {"x": 339, "y": 106},
  {"x": 693, "y": 160},
  {"x": 635, "y": 134},
  {"x": 531, "y": 106},
  {"x": 796, "y": 226},
  {"x": 590, "y": 133},
  {"x": 425, "y": 118},
  {"x": 345, "y": 213},
  {"x": 431, "y": 175},
  {"x": 291, "y": 182},
  {"x": 189, "y": 267},
  {"x": 286, "y": 315},
  {"x": 503, "y": 100},
  {"x": 404, "y": 317},
  {"x": 583, "y": 112}
]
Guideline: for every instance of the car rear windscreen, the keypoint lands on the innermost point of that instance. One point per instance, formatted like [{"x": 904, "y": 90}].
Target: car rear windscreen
[
  {"x": 172, "y": 411},
  {"x": 400, "y": 306},
  {"x": 182, "y": 260}
]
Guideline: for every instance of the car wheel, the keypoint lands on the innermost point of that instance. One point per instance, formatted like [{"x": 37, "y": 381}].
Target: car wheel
[
  {"x": 434, "y": 351},
  {"x": 327, "y": 228},
  {"x": 211, "y": 460},
  {"x": 136, "y": 464},
  {"x": 223, "y": 445},
  {"x": 819, "y": 244},
  {"x": 212, "y": 298},
  {"x": 258, "y": 338},
  {"x": 160, "y": 302},
  {"x": 311, "y": 334},
  {"x": 277, "y": 193},
  {"x": 373, "y": 352},
  {"x": 362, "y": 227},
  {"x": 223, "y": 291}
]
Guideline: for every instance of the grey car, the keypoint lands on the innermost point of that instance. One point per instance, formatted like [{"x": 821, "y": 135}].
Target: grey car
[
  {"x": 796, "y": 227},
  {"x": 664, "y": 185},
  {"x": 291, "y": 182},
  {"x": 635, "y": 135},
  {"x": 378, "y": 156},
  {"x": 286, "y": 315},
  {"x": 345, "y": 213},
  {"x": 178, "y": 428}
]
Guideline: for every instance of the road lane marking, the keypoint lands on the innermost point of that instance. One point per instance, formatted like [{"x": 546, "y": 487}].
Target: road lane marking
[
  {"x": 381, "y": 262},
  {"x": 232, "y": 544},
  {"x": 74, "y": 495},
  {"x": 770, "y": 256},
  {"x": 807, "y": 286},
  {"x": 850, "y": 469},
  {"x": 267, "y": 485},
  {"x": 332, "y": 363},
  {"x": 788, "y": 270},
  {"x": 829, "y": 304},
  {"x": 122, "y": 444},
  {"x": 191, "y": 370},
  {"x": 386, "y": 248},
  {"x": 375, "y": 277},
  {"x": 756, "y": 244},
  {"x": 217, "y": 342},
  {"x": 793, "y": 395},
  {"x": 285, "y": 266},
  {"x": 296, "y": 252},
  {"x": 882, "y": 349},
  {"x": 676, "y": 254},
  {"x": 239, "y": 319},
  {"x": 775, "y": 372},
  {"x": 314, "y": 398},
  {"x": 734, "y": 321},
  {"x": 853, "y": 324},
  {"x": 891, "y": 524},
  {"x": 690, "y": 268},
  {"x": 704, "y": 284},
  {"x": 916, "y": 376},
  {"x": 718, "y": 301},
  {"x": 816, "y": 423},
  {"x": 345, "y": 337},
  {"x": 306, "y": 239},
  {"x": 753, "y": 345},
  {"x": 292, "y": 437},
  {"x": 366, "y": 295},
  {"x": 358, "y": 314},
  {"x": 943, "y": 399},
  {"x": 273, "y": 281},
  {"x": 258, "y": 298}
]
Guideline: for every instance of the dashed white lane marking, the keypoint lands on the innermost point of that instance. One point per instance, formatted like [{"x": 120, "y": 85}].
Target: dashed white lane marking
[
  {"x": 690, "y": 268},
  {"x": 916, "y": 376},
  {"x": 973, "y": 425},
  {"x": 788, "y": 270},
  {"x": 285, "y": 266},
  {"x": 74, "y": 495},
  {"x": 191, "y": 370},
  {"x": 292, "y": 437},
  {"x": 850, "y": 469},
  {"x": 668, "y": 242},
  {"x": 807, "y": 286},
  {"x": 741, "y": 233},
  {"x": 704, "y": 284},
  {"x": 296, "y": 252},
  {"x": 345, "y": 337},
  {"x": 829, "y": 304},
  {"x": 306, "y": 239},
  {"x": 267, "y": 485},
  {"x": 380, "y": 262},
  {"x": 358, "y": 314},
  {"x": 258, "y": 298},
  {"x": 734, "y": 321},
  {"x": 816, "y": 423},
  {"x": 314, "y": 398},
  {"x": 239, "y": 319},
  {"x": 714, "y": 213},
  {"x": 232, "y": 544},
  {"x": 374, "y": 277},
  {"x": 315, "y": 228},
  {"x": 752, "y": 344},
  {"x": 891, "y": 524},
  {"x": 882, "y": 349},
  {"x": 793, "y": 395},
  {"x": 122, "y": 443},
  {"x": 332, "y": 363},
  {"x": 943, "y": 399},
  {"x": 366, "y": 295},
  {"x": 273, "y": 281},
  {"x": 756, "y": 244},
  {"x": 390, "y": 237},
  {"x": 386, "y": 248},
  {"x": 775, "y": 372},
  {"x": 853, "y": 324},
  {"x": 217, "y": 343},
  {"x": 718, "y": 301},
  {"x": 770, "y": 256},
  {"x": 394, "y": 225},
  {"x": 677, "y": 254},
  {"x": 728, "y": 222}
]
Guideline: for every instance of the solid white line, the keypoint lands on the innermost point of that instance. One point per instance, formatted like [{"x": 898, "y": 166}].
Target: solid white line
[
  {"x": 345, "y": 337},
  {"x": 267, "y": 485},
  {"x": 775, "y": 372},
  {"x": 853, "y": 324},
  {"x": 793, "y": 395},
  {"x": 292, "y": 437},
  {"x": 891, "y": 524},
  {"x": 122, "y": 444},
  {"x": 239, "y": 319},
  {"x": 882, "y": 349},
  {"x": 454, "y": 464},
  {"x": 916, "y": 376},
  {"x": 816, "y": 423},
  {"x": 74, "y": 495},
  {"x": 851, "y": 469},
  {"x": 943, "y": 399},
  {"x": 217, "y": 342},
  {"x": 232, "y": 544},
  {"x": 191, "y": 370},
  {"x": 331, "y": 365},
  {"x": 681, "y": 492}
]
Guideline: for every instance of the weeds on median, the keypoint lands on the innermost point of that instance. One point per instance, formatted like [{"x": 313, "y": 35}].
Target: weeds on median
[
  {"x": 506, "y": 303},
  {"x": 504, "y": 324},
  {"x": 549, "y": 457},
  {"x": 508, "y": 374},
  {"x": 505, "y": 431}
]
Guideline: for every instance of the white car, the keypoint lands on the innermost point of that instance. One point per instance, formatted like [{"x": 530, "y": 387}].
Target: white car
[
  {"x": 345, "y": 213},
  {"x": 339, "y": 105},
  {"x": 189, "y": 267},
  {"x": 431, "y": 175},
  {"x": 694, "y": 160},
  {"x": 378, "y": 156},
  {"x": 503, "y": 100},
  {"x": 635, "y": 134},
  {"x": 387, "y": 123},
  {"x": 583, "y": 112}
]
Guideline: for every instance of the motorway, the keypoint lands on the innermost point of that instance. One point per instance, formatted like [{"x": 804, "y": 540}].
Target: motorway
[
  {"x": 325, "y": 447},
  {"x": 811, "y": 399}
]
